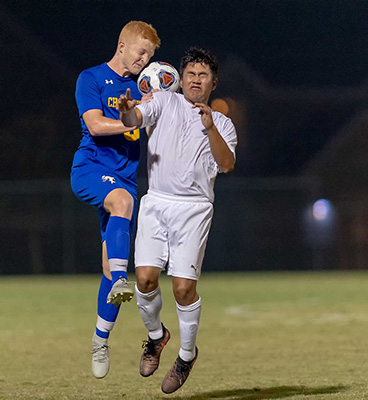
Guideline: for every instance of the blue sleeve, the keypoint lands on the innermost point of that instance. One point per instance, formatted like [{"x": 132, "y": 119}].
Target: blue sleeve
[{"x": 87, "y": 93}]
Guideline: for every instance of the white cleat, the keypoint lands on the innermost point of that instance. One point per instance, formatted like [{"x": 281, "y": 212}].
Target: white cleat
[
  {"x": 120, "y": 292},
  {"x": 100, "y": 357}
]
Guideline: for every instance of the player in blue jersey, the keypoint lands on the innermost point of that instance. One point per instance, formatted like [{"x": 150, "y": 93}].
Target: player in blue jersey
[{"x": 104, "y": 170}]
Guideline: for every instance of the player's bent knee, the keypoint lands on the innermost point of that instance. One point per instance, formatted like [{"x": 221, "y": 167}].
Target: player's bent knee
[
  {"x": 119, "y": 202},
  {"x": 147, "y": 278},
  {"x": 185, "y": 294},
  {"x": 146, "y": 285},
  {"x": 122, "y": 205}
]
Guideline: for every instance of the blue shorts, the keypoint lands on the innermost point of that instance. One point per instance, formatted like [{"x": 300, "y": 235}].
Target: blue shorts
[{"x": 94, "y": 185}]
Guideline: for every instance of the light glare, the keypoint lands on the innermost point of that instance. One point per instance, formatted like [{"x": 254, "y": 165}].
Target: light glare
[{"x": 321, "y": 209}]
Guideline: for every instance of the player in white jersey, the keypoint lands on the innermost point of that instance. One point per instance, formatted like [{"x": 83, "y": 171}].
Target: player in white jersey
[{"x": 188, "y": 145}]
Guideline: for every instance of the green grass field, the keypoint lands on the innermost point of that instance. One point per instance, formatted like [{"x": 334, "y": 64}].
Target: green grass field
[{"x": 262, "y": 336}]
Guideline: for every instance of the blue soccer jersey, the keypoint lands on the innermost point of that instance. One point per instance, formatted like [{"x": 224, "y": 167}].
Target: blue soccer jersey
[{"x": 99, "y": 88}]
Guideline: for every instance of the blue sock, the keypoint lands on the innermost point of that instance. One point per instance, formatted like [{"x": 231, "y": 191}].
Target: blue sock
[
  {"x": 117, "y": 245},
  {"x": 106, "y": 313}
]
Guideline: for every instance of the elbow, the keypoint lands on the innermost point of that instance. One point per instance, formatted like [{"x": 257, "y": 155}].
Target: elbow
[
  {"x": 227, "y": 166},
  {"x": 101, "y": 129},
  {"x": 226, "y": 170},
  {"x": 95, "y": 130}
]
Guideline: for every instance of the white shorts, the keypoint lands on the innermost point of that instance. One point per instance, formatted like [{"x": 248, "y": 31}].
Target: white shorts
[{"x": 173, "y": 231}]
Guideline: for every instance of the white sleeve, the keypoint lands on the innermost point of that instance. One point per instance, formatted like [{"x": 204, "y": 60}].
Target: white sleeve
[
  {"x": 228, "y": 133},
  {"x": 153, "y": 109}
]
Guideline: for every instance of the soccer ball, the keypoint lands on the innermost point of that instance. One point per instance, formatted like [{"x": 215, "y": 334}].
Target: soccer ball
[{"x": 158, "y": 75}]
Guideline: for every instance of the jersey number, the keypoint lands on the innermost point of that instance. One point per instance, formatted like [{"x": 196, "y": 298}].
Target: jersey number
[{"x": 132, "y": 136}]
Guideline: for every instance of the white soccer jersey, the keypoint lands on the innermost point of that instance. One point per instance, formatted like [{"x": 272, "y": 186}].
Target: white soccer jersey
[{"x": 180, "y": 161}]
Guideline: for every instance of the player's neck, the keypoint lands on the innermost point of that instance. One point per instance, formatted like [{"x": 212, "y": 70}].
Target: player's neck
[
  {"x": 193, "y": 101},
  {"x": 116, "y": 65}
]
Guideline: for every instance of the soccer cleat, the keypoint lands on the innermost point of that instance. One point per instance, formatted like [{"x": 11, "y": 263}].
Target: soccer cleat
[
  {"x": 100, "y": 357},
  {"x": 120, "y": 292},
  {"x": 152, "y": 351},
  {"x": 178, "y": 374}
]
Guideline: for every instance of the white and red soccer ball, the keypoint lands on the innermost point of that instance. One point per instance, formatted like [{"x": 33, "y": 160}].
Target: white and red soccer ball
[{"x": 158, "y": 75}]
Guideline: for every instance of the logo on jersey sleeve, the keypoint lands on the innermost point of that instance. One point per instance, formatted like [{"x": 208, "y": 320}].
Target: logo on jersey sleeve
[{"x": 106, "y": 178}]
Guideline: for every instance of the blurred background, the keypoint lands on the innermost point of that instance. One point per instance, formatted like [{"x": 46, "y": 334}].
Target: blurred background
[{"x": 294, "y": 79}]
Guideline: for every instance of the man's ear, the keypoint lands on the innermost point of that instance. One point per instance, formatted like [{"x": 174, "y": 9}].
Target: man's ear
[
  {"x": 214, "y": 84},
  {"x": 121, "y": 46}
]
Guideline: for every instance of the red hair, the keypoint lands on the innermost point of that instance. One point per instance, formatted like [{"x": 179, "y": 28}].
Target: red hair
[{"x": 140, "y": 29}]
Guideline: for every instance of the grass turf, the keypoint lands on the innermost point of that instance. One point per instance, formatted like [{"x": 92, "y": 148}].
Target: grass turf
[{"x": 262, "y": 336}]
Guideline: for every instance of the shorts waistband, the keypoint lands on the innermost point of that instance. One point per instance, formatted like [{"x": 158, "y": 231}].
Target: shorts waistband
[{"x": 188, "y": 199}]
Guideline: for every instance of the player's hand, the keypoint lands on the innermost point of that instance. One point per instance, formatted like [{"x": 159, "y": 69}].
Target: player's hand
[
  {"x": 205, "y": 113},
  {"x": 125, "y": 102}
]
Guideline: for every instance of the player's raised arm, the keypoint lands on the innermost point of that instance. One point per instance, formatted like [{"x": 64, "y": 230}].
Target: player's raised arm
[
  {"x": 220, "y": 150},
  {"x": 99, "y": 125},
  {"x": 129, "y": 115}
]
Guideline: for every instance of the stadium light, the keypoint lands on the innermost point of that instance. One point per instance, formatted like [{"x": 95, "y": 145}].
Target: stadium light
[
  {"x": 221, "y": 105},
  {"x": 322, "y": 210},
  {"x": 320, "y": 231}
]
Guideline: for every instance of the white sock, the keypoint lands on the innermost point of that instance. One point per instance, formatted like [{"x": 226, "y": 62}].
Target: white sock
[
  {"x": 188, "y": 324},
  {"x": 149, "y": 305}
]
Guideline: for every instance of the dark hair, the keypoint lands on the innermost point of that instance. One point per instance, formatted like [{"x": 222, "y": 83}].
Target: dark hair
[{"x": 199, "y": 55}]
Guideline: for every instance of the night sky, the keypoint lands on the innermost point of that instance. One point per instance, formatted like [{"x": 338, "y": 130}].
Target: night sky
[{"x": 278, "y": 47}]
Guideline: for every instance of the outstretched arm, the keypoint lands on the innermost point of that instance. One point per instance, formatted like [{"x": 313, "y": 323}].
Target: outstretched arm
[
  {"x": 99, "y": 125},
  {"x": 220, "y": 150},
  {"x": 129, "y": 115}
]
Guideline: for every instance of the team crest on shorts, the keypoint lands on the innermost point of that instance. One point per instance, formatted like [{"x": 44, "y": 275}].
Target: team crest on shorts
[{"x": 106, "y": 178}]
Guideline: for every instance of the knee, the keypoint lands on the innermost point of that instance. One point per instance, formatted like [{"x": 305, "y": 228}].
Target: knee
[
  {"x": 122, "y": 206},
  {"x": 119, "y": 203},
  {"x": 145, "y": 282},
  {"x": 185, "y": 295}
]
